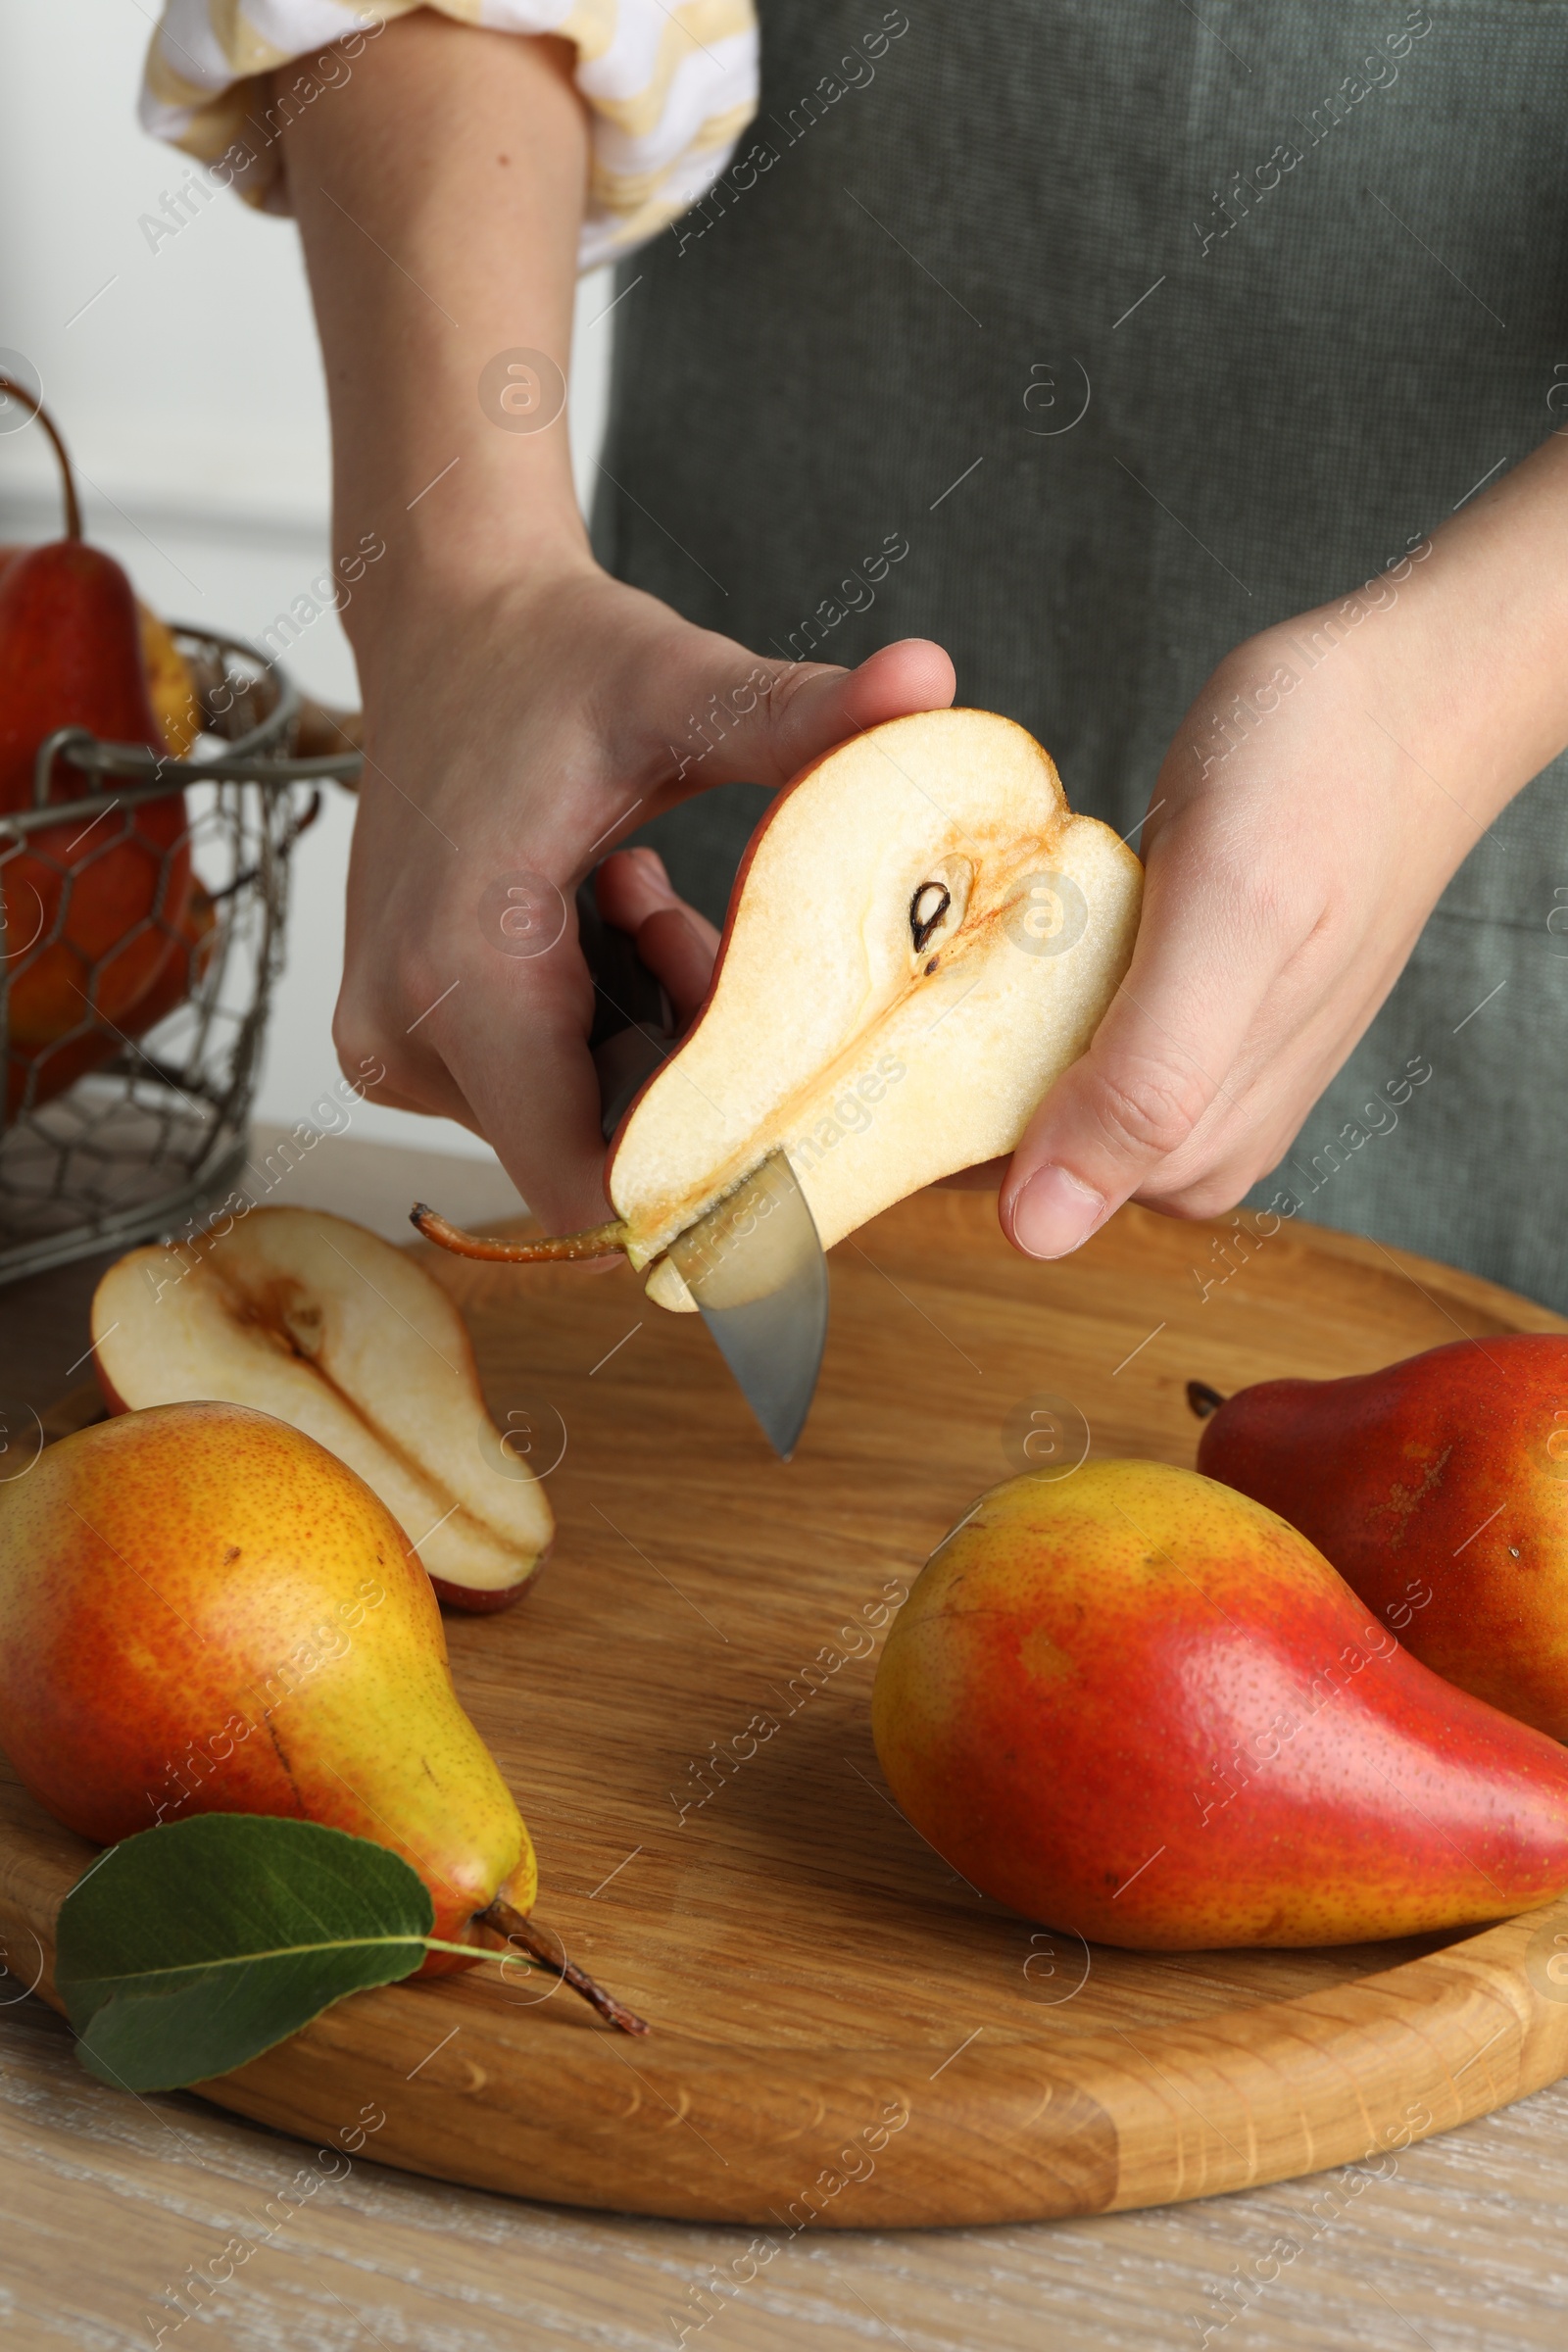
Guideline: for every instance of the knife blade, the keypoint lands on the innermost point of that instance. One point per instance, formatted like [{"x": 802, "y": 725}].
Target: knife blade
[
  {"x": 756, "y": 1268},
  {"x": 754, "y": 1263}
]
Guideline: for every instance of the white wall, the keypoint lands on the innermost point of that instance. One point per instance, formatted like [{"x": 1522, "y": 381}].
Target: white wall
[{"x": 188, "y": 383}]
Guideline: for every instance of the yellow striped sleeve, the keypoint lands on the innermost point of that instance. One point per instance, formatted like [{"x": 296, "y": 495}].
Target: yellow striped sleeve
[{"x": 669, "y": 89}]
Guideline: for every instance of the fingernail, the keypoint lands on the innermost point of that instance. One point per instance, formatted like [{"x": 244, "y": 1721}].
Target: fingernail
[{"x": 1055, "y": 1213}]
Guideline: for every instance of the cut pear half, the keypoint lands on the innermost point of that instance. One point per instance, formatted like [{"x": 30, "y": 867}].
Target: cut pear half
[
  {"x": 920, "y": 939},
  {"x": 313, "y": 1319}
]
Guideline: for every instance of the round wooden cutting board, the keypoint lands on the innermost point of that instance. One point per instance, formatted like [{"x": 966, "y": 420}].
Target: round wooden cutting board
[{"x": 844, "y": 2034}]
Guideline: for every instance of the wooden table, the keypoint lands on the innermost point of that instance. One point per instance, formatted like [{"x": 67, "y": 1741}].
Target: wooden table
[{"x": 108, "y": 2205}]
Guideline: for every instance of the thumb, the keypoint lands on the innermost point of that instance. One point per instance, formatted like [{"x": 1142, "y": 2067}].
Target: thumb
[
  {"x": 1160, "y": 1056},
  {"x": 788, "y": 714}
]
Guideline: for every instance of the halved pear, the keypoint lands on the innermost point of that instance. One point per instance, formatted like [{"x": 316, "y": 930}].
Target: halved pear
[
  {"x": 309, "y": 1317},
  {"x": 922, "y": 938}
]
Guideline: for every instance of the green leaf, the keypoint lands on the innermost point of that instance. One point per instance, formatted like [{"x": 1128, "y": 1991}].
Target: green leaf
[{"x": 194, "y": 1946}]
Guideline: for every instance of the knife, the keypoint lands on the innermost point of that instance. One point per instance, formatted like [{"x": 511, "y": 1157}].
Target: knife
[{"x": 754, "y": 1263}]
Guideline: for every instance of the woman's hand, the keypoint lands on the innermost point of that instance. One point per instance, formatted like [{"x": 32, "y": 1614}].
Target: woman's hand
[
  {"x": 509, "y": 745},
  {"x": 1317, "y": 800}
]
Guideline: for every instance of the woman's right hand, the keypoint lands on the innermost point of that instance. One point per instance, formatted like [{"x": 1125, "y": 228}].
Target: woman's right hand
[
  {"x": 509, "y": 744},
  {"x": 524, "y": 712}
]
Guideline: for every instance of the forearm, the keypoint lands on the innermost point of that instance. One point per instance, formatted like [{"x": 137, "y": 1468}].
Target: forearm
[
  {"x": 1485, "y": 625},
  {"x": 439, "y": 195},
  {"x": 1459, "y": 653}
]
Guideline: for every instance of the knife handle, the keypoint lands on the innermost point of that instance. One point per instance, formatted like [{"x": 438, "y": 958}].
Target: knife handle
[{"x": 635, "y": 1026}]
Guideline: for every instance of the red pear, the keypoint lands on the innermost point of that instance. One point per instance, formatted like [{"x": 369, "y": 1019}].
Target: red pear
[
  {"x": 1439, "y": 1487},
  {"x": 92, "y": 910},
  {"x": 1136, "y": 1705},
  {"x": 186, "y": 968}
]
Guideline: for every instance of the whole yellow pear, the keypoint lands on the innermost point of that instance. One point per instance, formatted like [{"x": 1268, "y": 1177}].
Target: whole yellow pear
[{"x": 204, "y": 1612}]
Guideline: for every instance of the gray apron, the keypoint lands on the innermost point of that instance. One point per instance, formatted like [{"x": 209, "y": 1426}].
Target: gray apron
[{"x": 1137, "y": 333}]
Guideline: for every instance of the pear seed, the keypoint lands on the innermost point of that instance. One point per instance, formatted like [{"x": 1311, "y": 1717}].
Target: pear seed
[{"x": 925, "y": 916}]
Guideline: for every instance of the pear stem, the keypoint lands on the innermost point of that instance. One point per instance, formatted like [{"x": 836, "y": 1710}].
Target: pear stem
[
  {"x": 1202, "y": 1400},
  {"x": 516, "y": 1929},
  {"x": 67, "y": 480},
  {"x": 600, "y": 1241}
]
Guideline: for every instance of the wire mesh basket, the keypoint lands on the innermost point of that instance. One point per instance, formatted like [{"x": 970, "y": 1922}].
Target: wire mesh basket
[{"x": 141, "y": 929}]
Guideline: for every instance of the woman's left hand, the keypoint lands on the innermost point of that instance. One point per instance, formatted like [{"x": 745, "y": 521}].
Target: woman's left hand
[{"x": 1315, "y": 802}]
